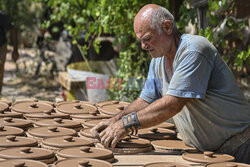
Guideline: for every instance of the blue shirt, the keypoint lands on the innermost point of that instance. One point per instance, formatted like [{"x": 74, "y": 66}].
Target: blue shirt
[
  {"x": 5, "y": 25},
  {"x": 218, "y": 109}
]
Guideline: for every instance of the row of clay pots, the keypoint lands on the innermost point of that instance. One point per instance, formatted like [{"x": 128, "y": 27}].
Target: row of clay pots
[
  {"x": 85, "y": 114},
  {"x": 72, "y": 108}
]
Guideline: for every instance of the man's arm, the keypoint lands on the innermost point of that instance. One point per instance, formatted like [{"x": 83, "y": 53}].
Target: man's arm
[
  {"x": 155, "y": 113},
  {"x": 160, "y": 110},
  {"x": 136, "y": 105}
]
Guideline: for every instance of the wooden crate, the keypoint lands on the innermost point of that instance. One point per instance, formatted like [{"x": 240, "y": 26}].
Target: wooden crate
[{"x": 69, "y": 83}]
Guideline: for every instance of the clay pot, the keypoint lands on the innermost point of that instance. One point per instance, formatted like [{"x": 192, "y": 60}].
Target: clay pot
[
  {"x": 75, "y": 108},
  {"x": 86, "y": 152},
  {"x": 16, "y": 122},
  {"x": 17, "y": 141},
  {"x": 89, "y": 116},
  {"x": 40, "y": 133},
  {"x": 8, "y": 130},
  {"x": 33, "y": 153},
  {"x": 22, "y": 163},
  {"x": 46, "y": 115},
  {"x": 111, "y": 108},
  {"x": 130, "y": 146},
  {"x": 227, "y": 164},
  {"x": 57, "y": 143},
  {"x": 59, "y": 122},
  {"x": 207, "y": 157},
  {"x": 167, "y": 164},
  {"x": 4, "y": 106},
  {"x": 10, "y": 114},
  {"x": 164, "y": 125},
  {"x": 100, "y": 104},
  {"x": 31, "y": 107},
  {"x": 172, "y": 146},
  {"x": 8, "y": 102},
  {"x": 91, "y": 123},
  {"x": 81, "y": 162},
  {"x": 156, "y": 134},
  {"x": 86, "y": 134},
  {"x": 76, "y": 101}
]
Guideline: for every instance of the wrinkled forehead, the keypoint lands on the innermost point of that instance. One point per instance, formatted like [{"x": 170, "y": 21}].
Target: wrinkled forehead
[{"x": 142, "y": 23}]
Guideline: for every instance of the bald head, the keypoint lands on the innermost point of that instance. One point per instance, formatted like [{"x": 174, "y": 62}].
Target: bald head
[
  {"x": 152, "y": 15},
  {"x": 146, "y": 11}
]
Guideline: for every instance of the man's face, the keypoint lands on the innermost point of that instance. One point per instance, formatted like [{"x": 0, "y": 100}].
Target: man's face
[{"x": 151, "y": 40}]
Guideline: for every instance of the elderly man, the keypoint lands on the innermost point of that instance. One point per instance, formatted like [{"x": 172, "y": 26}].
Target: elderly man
[
  {"x": 6, "y": 25},
  {"x": 188, "y": 81}
]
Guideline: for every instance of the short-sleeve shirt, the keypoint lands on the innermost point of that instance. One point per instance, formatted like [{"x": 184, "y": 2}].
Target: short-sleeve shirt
[
  {"x": 218, "y": 109},
  {"x": 5, "y": 25}
]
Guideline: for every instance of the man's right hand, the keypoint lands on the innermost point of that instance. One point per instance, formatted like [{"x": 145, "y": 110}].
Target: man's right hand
[{"x": 95, "y": 131}]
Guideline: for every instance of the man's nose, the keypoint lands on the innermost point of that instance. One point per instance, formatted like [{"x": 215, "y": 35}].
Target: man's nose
[{"x": 144, "y": 46}]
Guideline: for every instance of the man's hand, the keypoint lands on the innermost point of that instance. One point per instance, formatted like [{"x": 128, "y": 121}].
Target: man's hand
[
  {"x": 15, "y": 55},
  {"x": 113, "y": 134},
  {"x": 95, "y": 131}
]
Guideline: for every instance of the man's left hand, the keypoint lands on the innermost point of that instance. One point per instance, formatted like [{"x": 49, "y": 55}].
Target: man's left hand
[
  {"x": 113, "y": 134},
  {"x": 15, "y": 55}
]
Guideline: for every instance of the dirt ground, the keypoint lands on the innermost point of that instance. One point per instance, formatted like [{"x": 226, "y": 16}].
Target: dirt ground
[{"x": 20, "y": 81}]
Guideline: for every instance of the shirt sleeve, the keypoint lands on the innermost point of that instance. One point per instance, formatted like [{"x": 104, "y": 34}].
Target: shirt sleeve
[
  {"x": 5, "y": 21},
  {"x": 191, "y": 76},
  {"x": 149, "y": 92}
]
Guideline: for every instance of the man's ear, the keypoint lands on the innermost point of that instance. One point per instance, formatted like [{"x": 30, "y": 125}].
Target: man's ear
[{"x": 167, "y": 27}]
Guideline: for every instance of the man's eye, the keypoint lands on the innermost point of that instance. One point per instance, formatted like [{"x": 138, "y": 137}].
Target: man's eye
[{"x": 147, "y": 38}]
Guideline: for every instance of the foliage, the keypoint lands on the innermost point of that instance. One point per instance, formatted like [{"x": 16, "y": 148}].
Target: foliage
[
  {"x": 226, "y": 33},
  {"x": 98, "y": 17},
  {"x": 106, "y": 17}
]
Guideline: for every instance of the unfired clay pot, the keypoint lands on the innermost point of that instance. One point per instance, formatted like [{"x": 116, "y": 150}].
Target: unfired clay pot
[
  {"x": 86, "y": 152},
  {"x": 40, "y": 133},
  {"x": 33, "y": 153},
  {"x": 8, "y": 130},
  {"x": 81, "y": 162},
  {"x": 56, "y": 143},
  {"x": 22, "y": 163}
]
